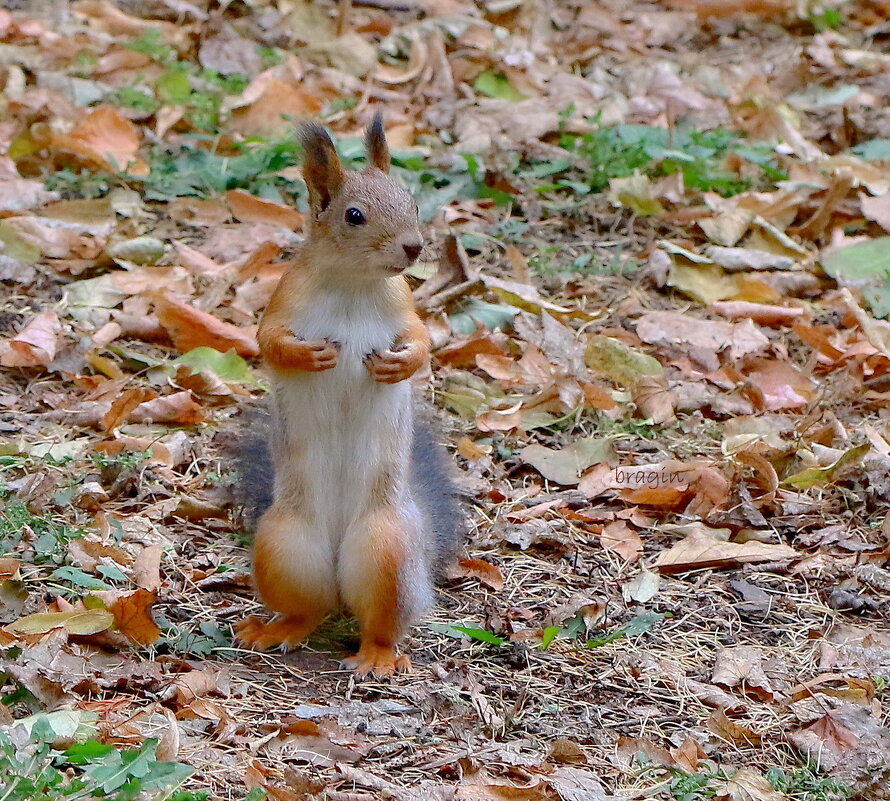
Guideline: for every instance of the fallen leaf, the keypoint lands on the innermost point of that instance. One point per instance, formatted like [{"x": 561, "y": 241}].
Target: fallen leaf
[
  {"x": 105, "y": 139},
  {"x": 615, "y": 360},
  {"x": 268, "y": 107},
  {"x": 132, "y": 615},
  {"x": 688, "y": 755},
  {"x": 566, "y": 465},
  {"x": 876, "y": 208},
  {"x": 778, "y": 385},
  {"x": 147, "y": 568},
  {"x": 741, "y": 666},
  {"x": 622, "y": 539},
  {"x": 37, "y": 343},
  {"x": 700, "y": 550},
  {"x": 761, "y": 313},
  {"x": 748, "y": 784},
  {"x": 252, "y": 209},
  {"x": 192, "y": 328},
  {"x": 486, "y": 572},
  {"x": 701, "y": 339},
  {"x": 123, "y": 405},
  {"x": 179, "y": 407},
  {"x": 8, "y": 568},
  {"x": 814, "y": 476},
  {"x": 80, "y": 623},
  {"x": 21, "y": 194},
  {"x": 731, "y": 731}
]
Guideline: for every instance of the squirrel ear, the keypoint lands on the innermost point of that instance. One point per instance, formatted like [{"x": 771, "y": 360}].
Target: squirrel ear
[
  {"x": 375, "y": 144},
  {"x": 322, "y": 169}
]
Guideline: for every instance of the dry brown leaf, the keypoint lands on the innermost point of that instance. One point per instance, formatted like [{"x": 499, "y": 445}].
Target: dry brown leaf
[
  {"x": 876, "y": 208},
  {"x": 191, "y": 328},
  {"x": 252, "y": 209},
  {"x": 187, "y": 687},
  {"x": 776, "y": 385},
  {"x": 748, "y": 784},
  {"x": 486, "y": 572},
  {"x": 702, "y": 550},
  {"x": 132, "y": 616},
  {"x": 179, "y": 407},
  {"x": 147, "y": 568},
  {"x": 731, "y": 731},
  {"x": 622, "y": 539},
  {"x": 266, "y": 104},
  {"x": 36, "y": 345},
  {"x": 20, "y": 194},
  {"x": 466, "y": 352},
  {"x": 742, "y": 666},
  {"x": 688, "y": 755},
  {"x": 653, "y": 399},
  {"x": 9, "y": 568},
  {"x": 760, "y": 313},
  {"x": 89, "y": 554},
  {"x": 701, "y": 339},
  {"x": 123, "y": 405},
  {"x": 104, "y": 139}
]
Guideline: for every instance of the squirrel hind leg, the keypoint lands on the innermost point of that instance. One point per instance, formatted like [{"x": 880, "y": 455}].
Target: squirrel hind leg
[
  {"x": 293, "y": 570},
  {"x": 261, "y": 634},
  {"x": 386, "y": 585}
]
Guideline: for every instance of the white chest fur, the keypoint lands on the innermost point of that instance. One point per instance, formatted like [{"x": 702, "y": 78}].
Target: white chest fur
[{"x": 342, "y": 421}]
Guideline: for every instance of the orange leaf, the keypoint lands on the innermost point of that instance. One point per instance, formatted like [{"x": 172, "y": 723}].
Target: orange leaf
[
  {"x": 778, "y": 385},
  {"x": 484, "y": 571},
  {"x": 179, "y": 407},
  {"x": 622, "y": 539},
  {"x": 106, "y": 139},
  {"x": 252, "y": 209},
  {"x": 123, "y": 405},
  {"x": 270, "y": 101},
  {"x": 191, "y": 328},
  {"x": 36, "y": 345},
  {"x": 133, "y": 617},
  {"x": 8, "y": 568}
]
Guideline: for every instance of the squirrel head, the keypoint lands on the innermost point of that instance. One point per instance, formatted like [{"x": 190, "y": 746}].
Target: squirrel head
[{"x": 362, "y": 223}]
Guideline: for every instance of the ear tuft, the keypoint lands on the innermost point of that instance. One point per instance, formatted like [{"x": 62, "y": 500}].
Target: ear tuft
[
  {"x": 375, "y": 144},
  {"x": 322, "y": 169}
]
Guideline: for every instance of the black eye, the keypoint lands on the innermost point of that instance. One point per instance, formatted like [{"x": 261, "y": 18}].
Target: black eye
[{"x": 354, "y": 216}]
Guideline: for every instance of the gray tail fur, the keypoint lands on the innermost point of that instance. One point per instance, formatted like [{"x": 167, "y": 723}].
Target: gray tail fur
[{"x": 432, "y": 483}]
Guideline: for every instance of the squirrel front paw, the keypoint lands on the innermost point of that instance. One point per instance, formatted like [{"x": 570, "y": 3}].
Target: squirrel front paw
[
  {"x": 392, "y": 366},
  {"x": 293, "y": 353}
]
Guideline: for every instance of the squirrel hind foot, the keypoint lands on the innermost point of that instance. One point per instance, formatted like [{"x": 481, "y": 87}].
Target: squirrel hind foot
[
  {"x": 261, "y": 634},
  {"x": 377, "y": 660}
]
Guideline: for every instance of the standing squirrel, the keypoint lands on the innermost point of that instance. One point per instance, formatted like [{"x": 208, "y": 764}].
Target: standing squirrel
[{"x": 362, "y": 509}]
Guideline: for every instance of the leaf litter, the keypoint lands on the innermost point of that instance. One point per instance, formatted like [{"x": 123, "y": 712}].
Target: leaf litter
[{"x": 657, "y": 287}]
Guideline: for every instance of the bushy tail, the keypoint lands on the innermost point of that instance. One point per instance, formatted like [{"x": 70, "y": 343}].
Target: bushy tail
[{"x": 432, "y": 483}]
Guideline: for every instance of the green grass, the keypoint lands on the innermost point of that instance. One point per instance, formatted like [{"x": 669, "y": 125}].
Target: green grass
[
  {"x": 50, "y": 537},
  {"x": 807, "y": 784},
  {"x": 33, "y": 770},
  {"x": 618, "y": 151}
]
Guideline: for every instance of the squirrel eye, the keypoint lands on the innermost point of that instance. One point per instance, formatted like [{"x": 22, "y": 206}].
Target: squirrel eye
[{"x": 354, "y": 216}]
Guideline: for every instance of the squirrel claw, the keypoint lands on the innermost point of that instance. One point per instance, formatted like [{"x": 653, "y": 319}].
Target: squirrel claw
[{"x": 378, "y": 661}]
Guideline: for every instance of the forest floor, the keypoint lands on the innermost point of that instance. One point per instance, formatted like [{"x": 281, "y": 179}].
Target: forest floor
[{"x": 658, "y": 235}]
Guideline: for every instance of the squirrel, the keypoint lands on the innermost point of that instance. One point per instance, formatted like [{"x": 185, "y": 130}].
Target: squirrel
[{"x": 362, "y": 510}]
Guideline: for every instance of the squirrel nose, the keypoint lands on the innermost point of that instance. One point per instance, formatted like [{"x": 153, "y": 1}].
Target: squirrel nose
[{"x": 412, "y": 251}]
